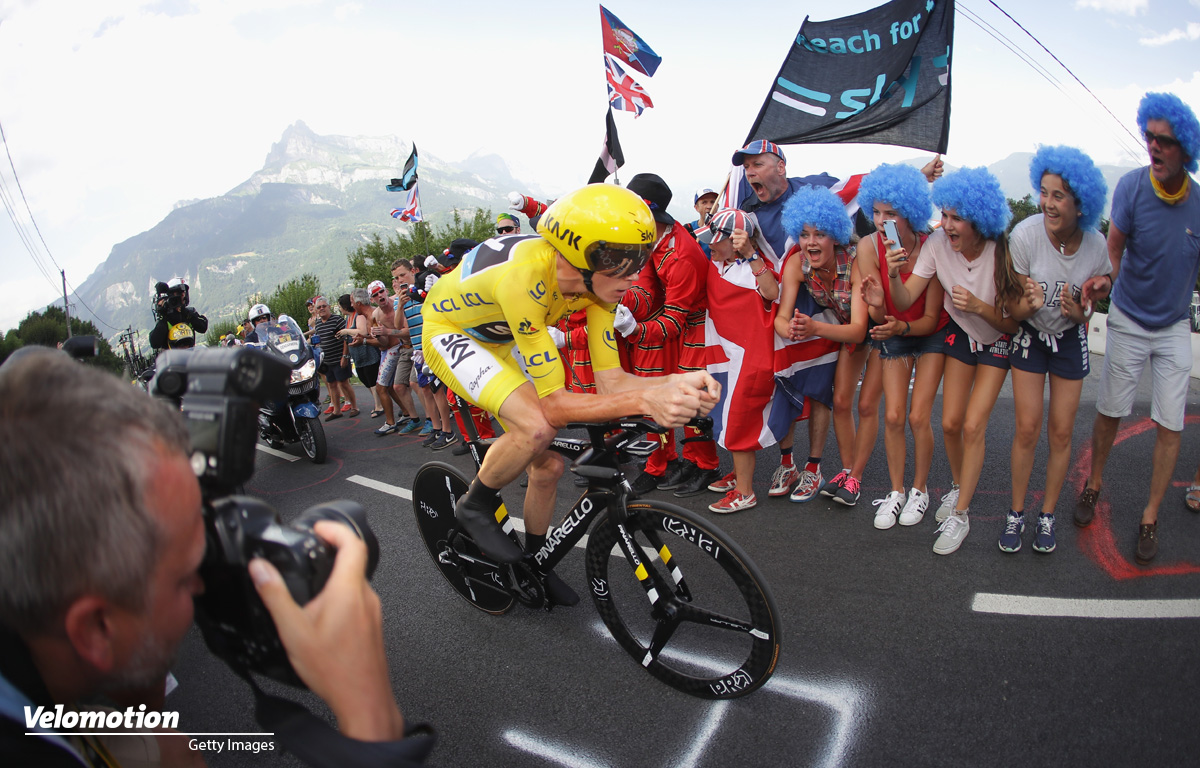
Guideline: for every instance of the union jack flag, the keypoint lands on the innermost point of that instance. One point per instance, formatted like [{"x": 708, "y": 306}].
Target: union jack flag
[
  {"x": 623, "y": 91},
  {"x": 412, "y": 207}
]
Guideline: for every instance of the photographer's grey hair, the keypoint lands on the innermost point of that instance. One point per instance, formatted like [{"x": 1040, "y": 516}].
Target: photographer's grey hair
[{"x": 70, "y": 432}]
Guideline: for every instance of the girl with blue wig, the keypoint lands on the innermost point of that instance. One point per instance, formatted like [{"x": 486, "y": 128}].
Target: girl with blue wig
[
  {"x": 822, "y": 265},
  {"x": 969, "y": 257},
  {"x": 1054, "y": 254},
  {"x": 903, "y": 339}
]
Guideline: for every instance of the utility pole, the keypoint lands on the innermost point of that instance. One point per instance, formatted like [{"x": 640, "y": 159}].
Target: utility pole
[{"x": 66, "y": 306}]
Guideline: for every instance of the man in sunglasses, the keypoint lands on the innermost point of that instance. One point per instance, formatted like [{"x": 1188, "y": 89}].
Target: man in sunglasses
[
  {"x": 1154, "y": 246},
  {"x": 507, "y": 224},
  {"x": 501, "y": 299}
]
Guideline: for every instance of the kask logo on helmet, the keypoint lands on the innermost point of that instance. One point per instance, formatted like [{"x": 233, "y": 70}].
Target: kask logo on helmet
[{"x": 564, "y": 234}]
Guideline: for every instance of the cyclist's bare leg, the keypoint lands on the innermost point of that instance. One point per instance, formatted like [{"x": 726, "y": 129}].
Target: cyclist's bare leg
[
  {"x": 542, "y": 493},
  {"x": 526, "y": 435}
]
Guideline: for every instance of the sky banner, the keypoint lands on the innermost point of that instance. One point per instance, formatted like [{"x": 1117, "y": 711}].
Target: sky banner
[
  {"x": 408, "y": 176},
  {"x": 878, "y": 77}
]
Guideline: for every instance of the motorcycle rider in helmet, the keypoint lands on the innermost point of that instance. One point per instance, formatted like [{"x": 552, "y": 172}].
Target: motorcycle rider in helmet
[
  {"x": 590, "y": 245},
  {"x": 259, "y": 314},
  {"x": 177, "y": 322}
]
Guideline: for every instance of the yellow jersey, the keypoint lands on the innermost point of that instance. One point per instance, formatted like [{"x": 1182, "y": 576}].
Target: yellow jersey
[{"x": 505, "y": 293}]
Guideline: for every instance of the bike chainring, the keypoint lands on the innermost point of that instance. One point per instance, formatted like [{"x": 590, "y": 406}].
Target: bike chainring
[{"x": 525, "y": 584}]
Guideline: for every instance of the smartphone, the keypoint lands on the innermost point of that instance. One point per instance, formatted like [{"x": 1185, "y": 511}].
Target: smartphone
[{"x": 890, "y": 233}]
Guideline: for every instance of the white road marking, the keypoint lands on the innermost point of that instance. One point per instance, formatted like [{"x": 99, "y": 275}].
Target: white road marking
[
  {"x": 707, "y": 730},
  {"x": 1020, "y": 605},
  {"x": 394, "y": 490},
  {"x": 552, "y": 751},
  {"x": 843, "y": 699},
  {"x": 279, "y": 454}
]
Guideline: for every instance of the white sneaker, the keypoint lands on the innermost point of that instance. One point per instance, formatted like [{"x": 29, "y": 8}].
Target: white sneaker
[
  {"x": 951, "y": 534},
  {"x": 914, "y": 508},
  {"x": 885, "y": 516},
  {"x": 948, "y": 503}
]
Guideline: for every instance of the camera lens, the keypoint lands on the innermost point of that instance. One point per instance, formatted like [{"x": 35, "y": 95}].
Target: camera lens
[{"x": 350, "y": 513}]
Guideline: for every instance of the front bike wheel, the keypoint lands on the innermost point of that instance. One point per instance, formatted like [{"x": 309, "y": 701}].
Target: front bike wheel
[
  {"x": 312, "y": 439},
  {"x": 694, "y": 611},
  {"x": 478, "y": 580}
]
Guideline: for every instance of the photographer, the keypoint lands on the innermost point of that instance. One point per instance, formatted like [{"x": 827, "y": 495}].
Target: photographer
[
  {"x": 101, "y": 539},
  {"x": 178, "y": 323}
]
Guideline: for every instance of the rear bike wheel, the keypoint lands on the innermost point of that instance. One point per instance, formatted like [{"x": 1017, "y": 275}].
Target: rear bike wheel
[
  {"x": 437, "y": 488},
  {"x": 702, "y": 618}
]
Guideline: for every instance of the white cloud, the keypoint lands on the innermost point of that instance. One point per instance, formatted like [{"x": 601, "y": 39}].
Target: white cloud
[
  {"x": 1191, "y": 32},
  {"x": 1127, "y": 7}
]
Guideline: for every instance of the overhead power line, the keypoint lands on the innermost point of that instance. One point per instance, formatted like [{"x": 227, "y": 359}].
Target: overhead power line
[
  {"x": 27, "y": 240},
  {"x": 1125, "y": 127}
]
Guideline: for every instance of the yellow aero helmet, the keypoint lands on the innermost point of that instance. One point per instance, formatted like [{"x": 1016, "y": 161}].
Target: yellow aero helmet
[{"x": 600, "y": 228}]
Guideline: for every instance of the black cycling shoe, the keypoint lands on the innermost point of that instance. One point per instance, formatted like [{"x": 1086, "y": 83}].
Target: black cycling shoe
[
  {"x": 645, "y": 483},
  {"x": 558, "y": 591},
  {"x": 678, "y": 472},
  {"x": 698, "y": 483},
  {"x": 482, "y": 526}
]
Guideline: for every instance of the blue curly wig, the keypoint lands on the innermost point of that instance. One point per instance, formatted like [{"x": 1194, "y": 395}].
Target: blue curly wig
[
  {"x": 975, "y": 195},
  {"x": 902, "y": 186},
  {"x": 1169, "y": 107},
  {"x": 1082, "y": 177},
  {"x": 820, "y": 208}
]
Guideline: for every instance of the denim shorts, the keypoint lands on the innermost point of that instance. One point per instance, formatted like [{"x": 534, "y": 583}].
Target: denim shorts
[
  {"x": 963, "y": 348},
  {"x": 1065, "y": 356},
  {"x": 912, "y": 346}
]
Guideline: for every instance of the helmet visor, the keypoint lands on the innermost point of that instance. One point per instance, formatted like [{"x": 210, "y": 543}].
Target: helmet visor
[{"x": 617, "y": 259}]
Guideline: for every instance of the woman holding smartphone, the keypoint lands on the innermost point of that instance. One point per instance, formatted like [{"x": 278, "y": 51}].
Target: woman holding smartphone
[
  {"x": 969, "y": 256},
  {"x": 898, "y": 198},
  {"x": 1054, "y": 253}
]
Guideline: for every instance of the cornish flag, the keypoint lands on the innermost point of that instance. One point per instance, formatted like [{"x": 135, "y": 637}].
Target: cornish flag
[
  {"x": 623, "y": 91},
  {"x": 764, "y": 378}
]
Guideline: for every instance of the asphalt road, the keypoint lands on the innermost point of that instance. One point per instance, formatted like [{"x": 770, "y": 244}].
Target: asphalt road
[{"x": 891, "y": 655}]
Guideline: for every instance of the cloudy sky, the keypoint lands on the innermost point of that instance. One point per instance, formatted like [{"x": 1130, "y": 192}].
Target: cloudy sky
[{"x": 114, "y": 110}]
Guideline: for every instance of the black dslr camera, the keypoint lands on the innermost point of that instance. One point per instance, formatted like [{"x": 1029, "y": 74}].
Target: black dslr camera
[{"x": 219, "y": 392}]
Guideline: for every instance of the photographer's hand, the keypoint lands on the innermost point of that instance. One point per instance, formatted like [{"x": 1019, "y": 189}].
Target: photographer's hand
[{"x": 335, "y": 643}]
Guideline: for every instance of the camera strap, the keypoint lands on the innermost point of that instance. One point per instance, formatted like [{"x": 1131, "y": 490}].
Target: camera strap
[{"x": 312, "y": 739}]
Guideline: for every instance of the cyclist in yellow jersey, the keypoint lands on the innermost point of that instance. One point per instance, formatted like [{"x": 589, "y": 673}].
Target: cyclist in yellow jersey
[{"x": 589, "y": 248}]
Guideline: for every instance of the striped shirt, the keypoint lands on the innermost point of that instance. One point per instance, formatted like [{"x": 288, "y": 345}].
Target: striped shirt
[{"x": 412, "y": 313}]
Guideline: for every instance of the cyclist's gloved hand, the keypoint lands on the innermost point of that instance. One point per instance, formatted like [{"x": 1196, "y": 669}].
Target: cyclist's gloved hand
[
  {"x": 624, "y": 323},
  {"x": 560, "y": 339}
]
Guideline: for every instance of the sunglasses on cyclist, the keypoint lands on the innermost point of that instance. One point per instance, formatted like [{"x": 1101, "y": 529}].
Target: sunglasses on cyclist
[
  {"x": 1164, "y": 141},
  {"x": 505, "y": 230}
]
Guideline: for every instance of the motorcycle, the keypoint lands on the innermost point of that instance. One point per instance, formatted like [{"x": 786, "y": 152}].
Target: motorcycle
[{"x": 296, "y": 419}]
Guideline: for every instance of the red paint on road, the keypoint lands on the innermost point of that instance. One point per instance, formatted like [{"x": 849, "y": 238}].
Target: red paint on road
[{"x": 1098, "y": 541}]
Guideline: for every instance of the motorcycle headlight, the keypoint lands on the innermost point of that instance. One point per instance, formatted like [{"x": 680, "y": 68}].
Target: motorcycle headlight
[{"x": 304, "y": 372}]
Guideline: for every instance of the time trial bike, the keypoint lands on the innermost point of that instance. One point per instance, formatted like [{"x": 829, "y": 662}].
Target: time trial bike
[{"x": 676, "y": 592}]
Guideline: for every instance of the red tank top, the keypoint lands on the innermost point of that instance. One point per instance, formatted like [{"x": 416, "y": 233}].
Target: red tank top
[{"x": 917, "y": 310}]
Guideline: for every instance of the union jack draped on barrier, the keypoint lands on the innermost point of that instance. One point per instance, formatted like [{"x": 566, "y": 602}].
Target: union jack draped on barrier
[{"x": 881, "y": 76}]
